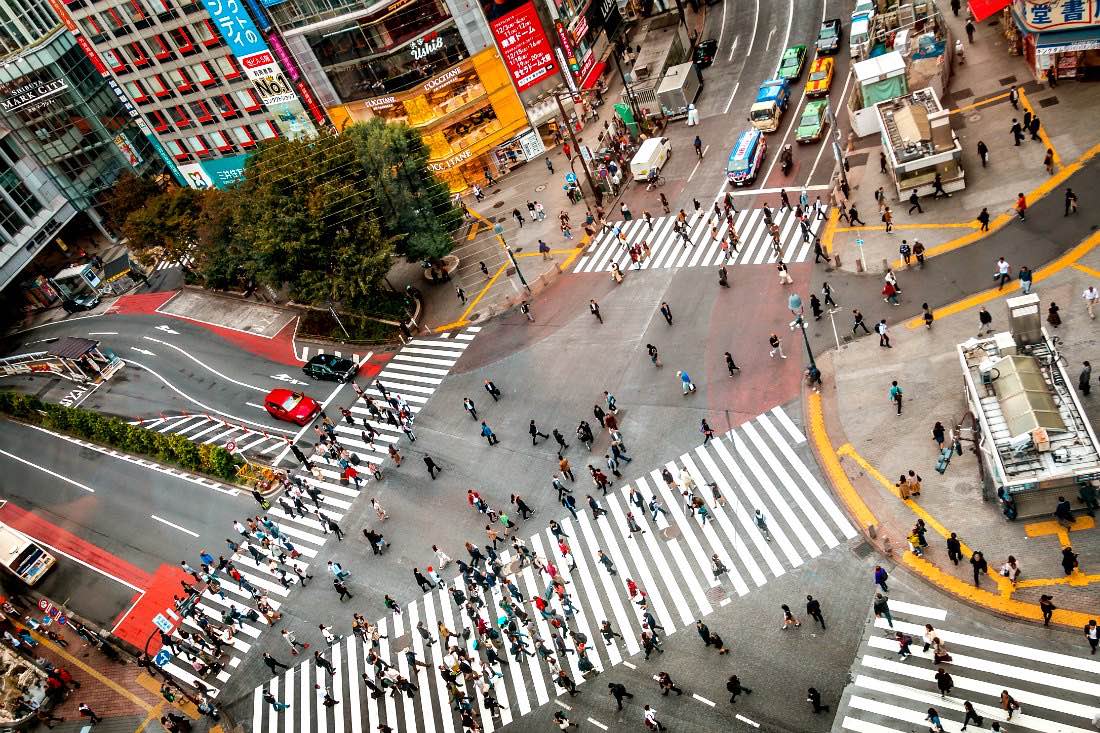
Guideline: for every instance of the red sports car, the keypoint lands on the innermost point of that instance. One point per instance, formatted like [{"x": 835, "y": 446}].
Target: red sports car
[{"x": 295, "y": 407}]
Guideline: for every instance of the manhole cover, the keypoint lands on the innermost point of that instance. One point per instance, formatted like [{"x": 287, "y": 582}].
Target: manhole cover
[
  {"x": 863, "y": 549},
  {"x": 540, "y": 187},
  {"x": 670, "y": 532},
  {"x": 517, "y": 249},
  {"x": 1048, "y": 102},
  {"x": 716, "y": 594},
  {"x": 498, "y": 204},
  {"x": 973, "y": 118}
]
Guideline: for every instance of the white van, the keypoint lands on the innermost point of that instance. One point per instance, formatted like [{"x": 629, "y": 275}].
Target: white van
[
  {"x": 859, "y": 38},
  {"x": 651, "y": 157}
]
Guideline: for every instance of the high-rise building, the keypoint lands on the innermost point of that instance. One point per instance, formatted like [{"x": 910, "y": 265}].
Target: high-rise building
[
  {"x": 64, "y": 138},
  {"x": 200, "y": 73},
  {"x": 449, "y": 68}
]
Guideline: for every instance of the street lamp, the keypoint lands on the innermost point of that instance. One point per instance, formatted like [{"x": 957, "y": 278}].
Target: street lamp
[
  {"x": 499, "y": 231},
  {"x": 596, "y": 193},
  {"x": 800, "y": 323}
]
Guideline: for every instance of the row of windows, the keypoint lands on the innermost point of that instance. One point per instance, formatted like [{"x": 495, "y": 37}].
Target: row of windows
[
  {"x": 184, "y": 80},
  {"x": 181, "y": 41},
  {"x": 203, "y": 146},
  {"x": 139, "y": 13},
  {"x": 26, "y": 206},
  {"x": 202, "y": 112}
]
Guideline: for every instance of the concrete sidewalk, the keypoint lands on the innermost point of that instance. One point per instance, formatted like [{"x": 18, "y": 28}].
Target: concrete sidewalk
[{"x": 864, "y": 446}]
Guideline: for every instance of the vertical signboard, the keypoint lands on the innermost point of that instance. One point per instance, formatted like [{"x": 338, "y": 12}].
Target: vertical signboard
[
  {"x": 277, "y": 94},
  {"x": 236, "y": 27},
  {"x": 523, "y": 44}
]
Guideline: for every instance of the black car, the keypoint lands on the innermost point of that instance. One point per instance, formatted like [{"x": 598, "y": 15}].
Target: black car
[
  {"x": 828, "y": 38},
  {"x": 704, "y": 53},
  {"x": 331, "y": 368},
  {"x": 80, "y": 303}
]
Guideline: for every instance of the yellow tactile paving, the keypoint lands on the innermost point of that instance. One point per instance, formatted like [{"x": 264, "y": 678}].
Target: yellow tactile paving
[
  {"x": 827, "y": 455},
  {"x": 1054, "y": 527}
]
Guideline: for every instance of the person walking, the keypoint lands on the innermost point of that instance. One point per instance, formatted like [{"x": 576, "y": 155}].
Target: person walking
[
  {"x": 433, "y": 467},
  {"x": 814, "y": 698},
  {"x": 535, "y": 433},
  {"x": 469, "y": 407},
  {"x": 1091, "y": 296},
  {"x": 983, "y": 152},
  {"x": 1017, "y": 131},
  {"x": 926, "y": 314},
  {"x": 735, "y": 687},
  {"x": 276, "y": 704},
  {"x": 914, "y": 203},
  {"x": 933, "y": 718},
  {"x": 881, "y": 577},
  {"x": 857, "y": 321},
  {"x": 730, "y": 364},
  {"x": 776, "y": 346},
  {"x": 1071, "y": 202},
  {"x": 710, "y": 639},
  {"x": 971, "y": 716},
  {"x": 881, "y": 606},
  {"x": 888, "y": 219},
  {"x": 813, "y": 610},
  {"x": 666, "y": 311},
  {"x": 1092, "y": 635},
  {"x": 883, "y": 337},
  {"x": 706, "y": 430},
  {"x": 1048, "y": 162},
  {"x": 853, "y": 217},
  {"x": 618, "y": 691},
  {"x": 1025, "y": 278},
  {"x": 788, "y": 617},
  {"x": 1004, "y": 272},
  {"x": 488, "y": 434},
  {"x": 954, "y": 549},
  {"x": 686, "y": 385},
  {"x": 667, "y": 684},
  {"x": 1046, "y": 605},
  {"x": 985, "y": 321},
  {"x": 86, "y": 712},
  {"x": 978, "y": 565},
  {"x": 983, "y": 219},
  {"x": 1033, "y": 128},
  {"x": 1084, "y": 380},
  {"x": 594, "y": 309},
  {"x": 650, "y": 717},
  {"x": 944, "y": 682},
  {"x": 1021, "y": 206}
]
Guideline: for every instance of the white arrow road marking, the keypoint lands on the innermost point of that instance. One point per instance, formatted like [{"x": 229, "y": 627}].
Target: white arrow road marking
[
  {"x": 144, "y": 351},
  {"x": 43, "y": 469},
  {"x": 206, "y": 366},
  {"x": 167, "y": 330},
  {"x": 286, "y": 378}
]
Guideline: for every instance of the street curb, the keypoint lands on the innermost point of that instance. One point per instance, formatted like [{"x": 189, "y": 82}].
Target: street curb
[{"x": 814, "y": 418}]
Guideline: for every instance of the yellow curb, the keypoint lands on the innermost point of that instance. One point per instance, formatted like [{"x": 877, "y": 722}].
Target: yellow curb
[
  {"x": 1086, "y": 269},
  {"x": 895, "y": 227},
  {"x": 1004, "y": 585},
  {"x": 473, "y": 230},
  {"x": 843, "y": 485},
  {"x": 1066, "y": 260},
  {"x": 571, "y": 251},
  {"x": 975, "y": 105},
  {"x": 986, "y": 599},
  {"x": 830, "y": 230},
  {"x": 1076, "y": 578},
  {"x": 153, "y": 685},
  {"x": 1060, "y": 177},
  {"x": 1042, "y": 129},
  {"x": 153, "y": 715}
]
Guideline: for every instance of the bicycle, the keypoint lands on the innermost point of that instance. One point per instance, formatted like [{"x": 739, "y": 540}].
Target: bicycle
[
  {"x": 1054, "y": 355},
  {"x": 655, "y": 179}
]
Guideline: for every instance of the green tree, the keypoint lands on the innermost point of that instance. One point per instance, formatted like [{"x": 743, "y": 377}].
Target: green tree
[
  {"x": 412, "y": 203},
  {"x": 223, "y": 260},
  {"x": 129, "y": 194},
  {"x": 168, "y": 220}
]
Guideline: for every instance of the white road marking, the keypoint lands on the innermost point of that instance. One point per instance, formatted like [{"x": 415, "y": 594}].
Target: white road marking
[
  {"x": 733, "y": 47},
  {"x": 596, "y": 723},
  {"x": 173, "y": 525},
  {"x": 206, "y": 366},
  {"x": 732, "y": 95},
  {"x": 702, "y": 699},
  {"x": 168, "y": 330},
  {"x": 743, "y": 719},
  {"x": 103, "y": 333},
  {"x": 43, "y": 469}
]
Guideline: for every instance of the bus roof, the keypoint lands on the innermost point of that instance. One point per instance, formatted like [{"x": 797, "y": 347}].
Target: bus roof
[
  {"x": 743, "y": 145},
  {"x": 11, "y": 543}
]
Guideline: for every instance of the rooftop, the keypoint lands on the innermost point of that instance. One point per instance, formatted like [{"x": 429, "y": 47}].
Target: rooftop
[
  {"x": 1029, "y": 410},
  {"x": 907, "y": 124}
]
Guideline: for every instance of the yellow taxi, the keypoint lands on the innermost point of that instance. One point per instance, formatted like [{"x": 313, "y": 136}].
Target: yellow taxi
[{"x": 821, "y": 77}]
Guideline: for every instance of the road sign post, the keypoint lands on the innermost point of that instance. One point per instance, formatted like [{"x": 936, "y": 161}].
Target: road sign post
[{"x": 859, "y": 260}]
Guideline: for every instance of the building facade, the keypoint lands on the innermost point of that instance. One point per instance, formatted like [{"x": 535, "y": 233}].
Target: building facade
[
  {"x": 438, "y": 65},
  {"x": 64, "y": 139},
  {"x": 200, "y": 73}
]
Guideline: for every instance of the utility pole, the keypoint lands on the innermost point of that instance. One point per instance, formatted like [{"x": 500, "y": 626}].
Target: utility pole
[
  {"x": 499, "y": 231},
  {"x": 596, "y": 193}
]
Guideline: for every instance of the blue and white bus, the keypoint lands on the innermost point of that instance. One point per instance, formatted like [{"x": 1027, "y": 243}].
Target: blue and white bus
[{"x": 746, "y": 158}]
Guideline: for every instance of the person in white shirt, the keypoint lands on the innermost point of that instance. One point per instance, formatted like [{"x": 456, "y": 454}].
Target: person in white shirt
[
  {"x": 651, "y": 721},
  {"x": 1091, "y": 296}
]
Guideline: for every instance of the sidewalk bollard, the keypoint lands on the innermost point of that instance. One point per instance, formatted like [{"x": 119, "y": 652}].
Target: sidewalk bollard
[
  {"x": 859, "y": 265},
  {"x": 885, "y": 264},
  {"x": 836, "y": 260}
]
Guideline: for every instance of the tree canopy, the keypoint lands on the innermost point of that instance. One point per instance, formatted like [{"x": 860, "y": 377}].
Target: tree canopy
[{"x": 322, "y": 216}]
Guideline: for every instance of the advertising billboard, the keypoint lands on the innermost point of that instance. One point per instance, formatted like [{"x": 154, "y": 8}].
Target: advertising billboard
[
  {"x": 277, "y": 94},
  {"x": 236, "y": 27},
  {"x": 523, "y": 44},
  {"x": 224, "y": 171},
  {"x": 1057, "y": 15}
]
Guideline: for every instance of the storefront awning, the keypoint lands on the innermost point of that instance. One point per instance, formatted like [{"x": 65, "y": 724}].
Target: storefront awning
[
  {"x": 982, "y": 9},
  {"x": 1083, "y": 39},
  {"x": 593, "y": 75}
]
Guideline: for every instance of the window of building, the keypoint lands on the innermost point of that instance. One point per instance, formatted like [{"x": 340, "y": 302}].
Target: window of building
[
  {"x": 183, "y": 40},
  {"x": 267, "y": 130},
  {"x": 136, "y": 11},
  {"x": 136, "y": 90},
  {"x": 222, "y": 141},
  {"x": 227, "y": 67},
  {"x": 161, "y": 48},
  {"x": 10, "y": 221},
  {"x": 198, "y": 144},
  {"x": 248, "y": 100},
  {"x": 180, "y": 80},
  {"x": 224, "y": 104},
  {"x": 180, "y": 117},
  {"x": 20, "y": 195},
  {"x": 115, "y": 60},
  {"x": 244, "y": 136},
  {"x": 178, "y": 151},
  {"x": 161, "y": 6},
  {"x": 160, "y": 86},
  {"x": 159, "y": 120},
  {"x": 201, "y": 73},
  {"x": 91, "y": 26},
  {"x": 205, "y": 33},
  {"x": 201, "y": 111},
  {"x": 10, "y": 148},
  {"x": 113, "y": 19},
  {"x": 138, "y": 54}
]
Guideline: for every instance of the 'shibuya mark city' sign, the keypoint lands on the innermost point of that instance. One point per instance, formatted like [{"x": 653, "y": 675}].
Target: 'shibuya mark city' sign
[{"x": 38, "y": 94}]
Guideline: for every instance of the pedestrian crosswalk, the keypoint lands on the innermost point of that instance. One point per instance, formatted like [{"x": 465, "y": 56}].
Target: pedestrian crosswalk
[
  {"x": 668, "y": 248},
  {"x": 169, "y": 263},
  {"x": 1057, "y": 692},
  {"x": 758, "y": 465},
  {"x": 302, "y": 531}
]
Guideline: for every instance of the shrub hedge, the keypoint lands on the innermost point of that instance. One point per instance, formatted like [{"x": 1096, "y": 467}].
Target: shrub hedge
[{"x": 177, "y": 450}]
